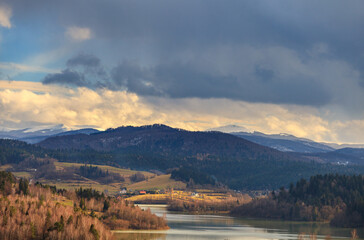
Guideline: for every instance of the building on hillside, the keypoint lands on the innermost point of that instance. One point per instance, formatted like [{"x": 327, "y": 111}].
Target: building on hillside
[{"x": 123, "y": 191}]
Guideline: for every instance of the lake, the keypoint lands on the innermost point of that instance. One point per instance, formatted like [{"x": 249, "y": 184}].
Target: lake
[{"x": 192, "y": 227}]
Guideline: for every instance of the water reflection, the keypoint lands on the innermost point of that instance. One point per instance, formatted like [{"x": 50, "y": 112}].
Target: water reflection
[
  {"x": 140, "y": 236},
  {"x": 213, "y": 227}
]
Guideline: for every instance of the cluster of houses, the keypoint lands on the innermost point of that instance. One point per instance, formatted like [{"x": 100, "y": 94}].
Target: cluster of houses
[{"x": 126, "y": 191}]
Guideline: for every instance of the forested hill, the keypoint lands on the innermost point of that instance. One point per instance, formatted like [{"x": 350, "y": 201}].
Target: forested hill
[
  {"x": 231, "y": 160},
  {"x": 164, "y": 140},
  {"x": 335, "y": 198},
  {"x": 14, "y": 151}
]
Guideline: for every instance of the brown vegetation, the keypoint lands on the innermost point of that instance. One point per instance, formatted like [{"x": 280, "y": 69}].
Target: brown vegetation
[
  {"x": 207, "y": 205},
  {"x": 121, "y": 215},
  {"x": 43, "y": 212},
  {"x": 40, "y": 217}
]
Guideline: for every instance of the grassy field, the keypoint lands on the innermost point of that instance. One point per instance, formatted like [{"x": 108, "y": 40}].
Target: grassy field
[
  {"x": 69, "y": 185},
  {"x": 5, "y": 167},
  {"x": 121, "y": 171},
  {"x": 152, "y": 182},
  {"x": 158, "y": 183},
  {"x": 22, "y": 174}
]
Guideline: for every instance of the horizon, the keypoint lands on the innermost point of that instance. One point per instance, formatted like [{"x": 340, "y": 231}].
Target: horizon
[
  {"x": 272, "y": 67},
  {"x": 217, "y": 129}
]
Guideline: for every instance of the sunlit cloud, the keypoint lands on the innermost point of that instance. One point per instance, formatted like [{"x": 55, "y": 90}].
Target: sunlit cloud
[
  {"x": 35, "y": 87},
  {"x": 5, "y": 15},
  {"x": 24, "y": 102},
  {"x": 78, "y": 33}
]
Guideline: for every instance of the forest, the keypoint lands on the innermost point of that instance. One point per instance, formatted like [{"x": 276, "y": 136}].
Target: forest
[
  {"x": 96, "y": 173},
  {"x": 189, "y": 174},
  {"x": 338, "y": 199}
]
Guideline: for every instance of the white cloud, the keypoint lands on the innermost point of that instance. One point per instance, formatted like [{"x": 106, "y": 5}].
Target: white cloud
[
  {"x": 5, "y": 15},
  {"x": 78, "y": 33}
]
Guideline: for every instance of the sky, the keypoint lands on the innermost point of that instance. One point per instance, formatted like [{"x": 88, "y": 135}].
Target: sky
[{"x": 282, "y": 66}]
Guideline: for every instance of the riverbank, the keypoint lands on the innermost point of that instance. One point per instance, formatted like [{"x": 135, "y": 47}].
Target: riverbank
[
  {"x": 195, "y": 202},
  {"x": 217, "y": 227}
]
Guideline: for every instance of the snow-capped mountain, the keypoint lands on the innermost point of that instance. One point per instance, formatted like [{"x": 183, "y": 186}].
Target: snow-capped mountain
[
  {"x": 285, "y": 142},
  {"x": 282, "y": 142},
  {"x": 39, "y": 133},
  {"x": 228, "y": 129}
]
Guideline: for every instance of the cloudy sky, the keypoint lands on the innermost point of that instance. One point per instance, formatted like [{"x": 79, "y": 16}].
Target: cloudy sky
[{"x": 273, "y": 66}]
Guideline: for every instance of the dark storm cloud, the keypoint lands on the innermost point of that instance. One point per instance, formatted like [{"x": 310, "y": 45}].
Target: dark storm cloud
[
  {"x": 179, "y": 24},
  {"x": 83, "y": 70},
  {"x": 264, "y": 74},
  {"x": 83, "y": 59},
  {"x": 66, "y": 77},
  {"x": 176, "y": 48},
  {"x": 181, "y": 80}
]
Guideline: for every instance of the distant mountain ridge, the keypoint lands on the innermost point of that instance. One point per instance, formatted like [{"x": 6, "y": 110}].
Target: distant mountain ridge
[
  {"x": 344, "y": 154},
  {"x": 228, "y": 129},
  {"x": 232, "y": 160},
  {"x": 38, "y": 134},
  {"x": 285, "y": 142},
  {"x": 156, "y": 137}
]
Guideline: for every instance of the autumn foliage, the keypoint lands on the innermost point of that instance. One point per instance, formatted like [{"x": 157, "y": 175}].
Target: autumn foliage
[
  {"x": 42, "y": 212},
  {"x": 38, "y": 216}
]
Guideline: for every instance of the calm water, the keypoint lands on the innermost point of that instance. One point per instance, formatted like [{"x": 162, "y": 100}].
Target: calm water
[{"x": 211, "y": 227}]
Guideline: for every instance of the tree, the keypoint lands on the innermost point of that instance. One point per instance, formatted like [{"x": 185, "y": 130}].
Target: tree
[
  {"x": 23, "y": 186},
  {"x": 106, "y": 205}
]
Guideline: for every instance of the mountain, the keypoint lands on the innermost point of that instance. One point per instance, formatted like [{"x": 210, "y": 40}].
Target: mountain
[
  {"x": 232, "y": 160},
  {"x": 38, "y": 134},
  {"x": 32, "y": 135},
  {"x": 86, "y": 131},
  {"x": 285, "y": 142},
  {"x": 163, "y": 140}
]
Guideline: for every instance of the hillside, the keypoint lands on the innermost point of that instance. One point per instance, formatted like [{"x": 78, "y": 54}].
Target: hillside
[
  {"x": 334, "y": 198},
  {"x": 37, "y": 211},
  {"x": 344, "y": 156},
  {"x": 32, "y": 162},
  {"x": 164, "y": 140},
  {"x": 231, "y": 160}
]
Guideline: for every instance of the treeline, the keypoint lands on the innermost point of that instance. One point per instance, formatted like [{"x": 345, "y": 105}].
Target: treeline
[
  {"x": 192, "y": 176},
  {"x": 206, "y": 206},
  {"x": 13, "y": 151},
  {"x": 96, "y": 173},
  {"x": 42, "y": 212},
  {"x": 335, "y": 198},
  {"x": 116, "y": 213}
]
